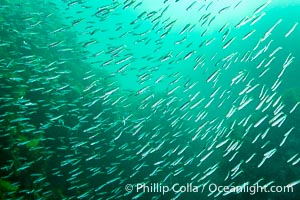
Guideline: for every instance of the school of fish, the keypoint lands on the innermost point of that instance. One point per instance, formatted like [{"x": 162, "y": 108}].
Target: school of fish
[{"x": 96, "y": 95}]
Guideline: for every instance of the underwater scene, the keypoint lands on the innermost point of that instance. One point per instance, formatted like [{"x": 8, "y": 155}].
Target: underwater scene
[{"x": 150, "y": 99}]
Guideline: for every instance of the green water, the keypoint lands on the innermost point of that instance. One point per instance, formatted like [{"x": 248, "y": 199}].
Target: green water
[{"x": 97, "y": 96}]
